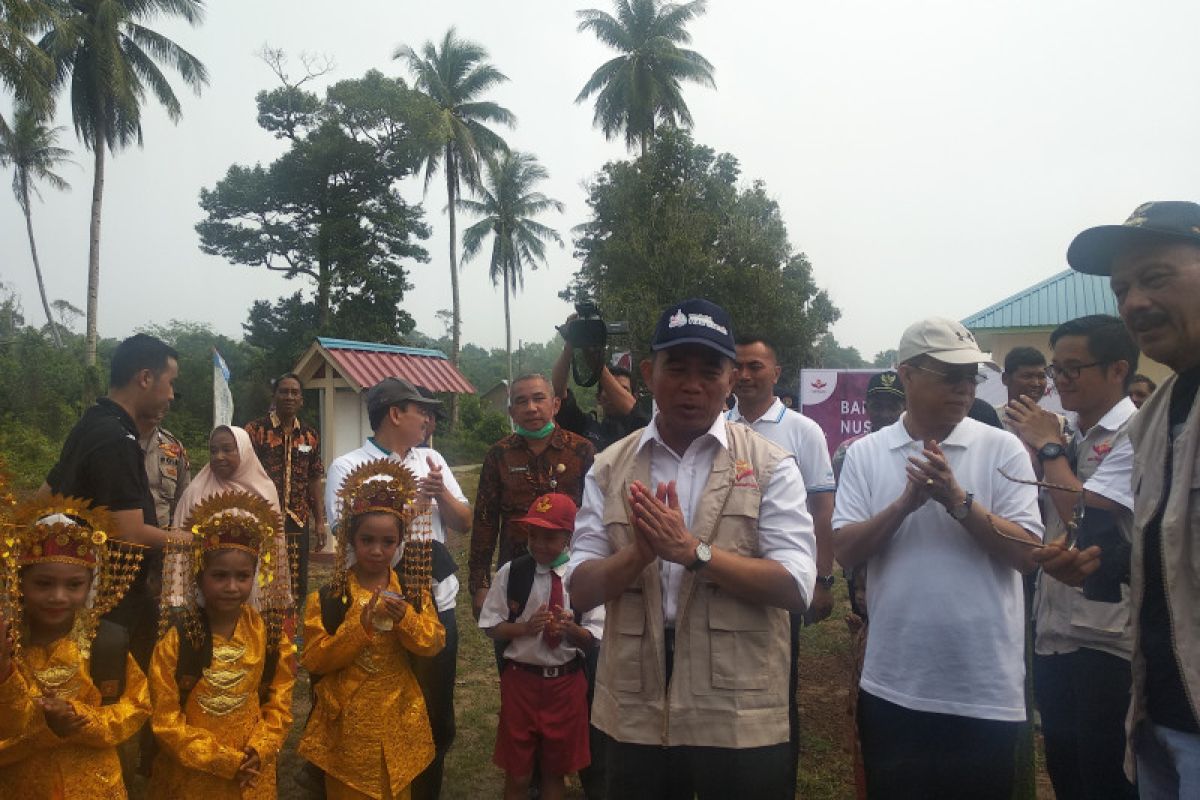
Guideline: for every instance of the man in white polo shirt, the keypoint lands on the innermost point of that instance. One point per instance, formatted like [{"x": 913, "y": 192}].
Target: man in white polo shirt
[
  {"x": 945, "y": 538},
  {"x": 400, "y": 417},
  {"x": 758, "y": 371}
]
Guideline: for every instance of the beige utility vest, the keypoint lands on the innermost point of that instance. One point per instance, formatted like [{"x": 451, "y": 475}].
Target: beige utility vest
[
  {"x": 729, "y": 685},
  {"x": 1180, "y": 541}
]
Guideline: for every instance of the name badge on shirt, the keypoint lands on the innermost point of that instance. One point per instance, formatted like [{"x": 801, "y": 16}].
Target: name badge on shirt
[{"x": 518, "y": 469}]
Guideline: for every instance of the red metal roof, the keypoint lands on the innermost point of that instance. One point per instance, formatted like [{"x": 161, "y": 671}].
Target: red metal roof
[{"x": 367, "y": 364}]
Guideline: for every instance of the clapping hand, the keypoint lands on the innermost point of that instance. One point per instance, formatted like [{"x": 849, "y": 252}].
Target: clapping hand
[
  {"x": 61, "y": 716},
  {"x": 658, "y": 518},
  {"x": 933, "y": 473},
  {"x": 432, "y": 485},
  {"x": 540, "y": 621},
  {"x": 1036, "y": 426},
  {"x": 249, "y": 770}
]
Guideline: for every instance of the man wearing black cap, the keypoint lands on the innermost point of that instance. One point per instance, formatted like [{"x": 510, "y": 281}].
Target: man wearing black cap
[
  {"x": 1153, "y": 261},
  {"x": 695, "y": 534},
  {"x": 400, "y": 416},
  {"x": 885, "y": 404}
]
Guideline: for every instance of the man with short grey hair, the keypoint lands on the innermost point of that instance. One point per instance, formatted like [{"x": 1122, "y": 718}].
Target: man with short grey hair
[{"x": 945, "y": 538}]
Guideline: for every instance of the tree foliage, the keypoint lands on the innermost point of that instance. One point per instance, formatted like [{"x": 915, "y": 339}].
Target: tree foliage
[
  {"x": 640, "y": 89},
  {"x": 832, "y": 355},
  {"x": 329, "y": 210},
  {"x": 111, "y": 59},
  {"x": 676, "y": 224},
  {"x": 30, "y": 146}
]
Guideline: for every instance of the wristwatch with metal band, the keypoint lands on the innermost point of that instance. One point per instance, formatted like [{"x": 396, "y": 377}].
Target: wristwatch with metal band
[{"x": 827, "y": 581}]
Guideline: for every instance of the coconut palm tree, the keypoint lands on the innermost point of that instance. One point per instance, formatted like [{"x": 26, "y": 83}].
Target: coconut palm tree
[
  {"x": 111, "y": 59},
  {"x": 640, "y": 89},
  {"x": 455, "y": 75},
  {"x": 508, "y": 201},
  {"x": 24, "y": 69},
  {"x": 30, "y": 146}
]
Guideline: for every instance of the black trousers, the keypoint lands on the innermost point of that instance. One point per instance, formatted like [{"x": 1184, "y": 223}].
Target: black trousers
[
  {"x": 1083, "y": 697},
  {"x": 436, "y": 676},
  {"x": 797, "y": 622},
  {"x": 650, "y": 772},
  {"x": 922, "y": 755},
  {"x": 298, "y": 542}
]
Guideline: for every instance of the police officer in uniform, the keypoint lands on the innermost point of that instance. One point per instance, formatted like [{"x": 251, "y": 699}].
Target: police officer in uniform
[{"x": 168, "y": 470}]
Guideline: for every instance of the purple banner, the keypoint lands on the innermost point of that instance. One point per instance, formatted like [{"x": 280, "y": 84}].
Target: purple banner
[{"x": 835, "y": 399}]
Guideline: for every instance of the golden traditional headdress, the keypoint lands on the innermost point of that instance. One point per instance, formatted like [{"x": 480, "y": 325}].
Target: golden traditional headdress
[
  {"x": 236, "y": 520},
  {"x": 381, "y": 486},
  {"x": 57, "y": 529}
]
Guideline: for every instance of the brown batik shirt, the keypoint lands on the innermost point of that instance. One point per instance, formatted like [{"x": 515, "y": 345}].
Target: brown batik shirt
[
  {"x": 513, "y": 477},
  {"x": 292, "y": 458}
]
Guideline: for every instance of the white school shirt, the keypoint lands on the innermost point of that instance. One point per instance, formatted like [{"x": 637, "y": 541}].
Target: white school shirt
[
  {"x": 444, "y": 592},
  {"x": 801, "y": 437},
  {"x": 947, "y": 620},
  {"x": 533, "y": 649},
  {"x": 785, "y": 529}
]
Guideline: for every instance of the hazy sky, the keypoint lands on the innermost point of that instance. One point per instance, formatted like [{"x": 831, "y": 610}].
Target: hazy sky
[{"x": 929, "y": 157}]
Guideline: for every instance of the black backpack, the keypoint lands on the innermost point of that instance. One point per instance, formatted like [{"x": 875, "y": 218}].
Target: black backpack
[
  {"x": 110, "y": 652},
  {"x": 520, "y": 583}
]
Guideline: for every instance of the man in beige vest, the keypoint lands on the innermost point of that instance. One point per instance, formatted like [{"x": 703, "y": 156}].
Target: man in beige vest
[
  {"x": 695, "y": 534},
  {"x": 1153, "y": 261}
]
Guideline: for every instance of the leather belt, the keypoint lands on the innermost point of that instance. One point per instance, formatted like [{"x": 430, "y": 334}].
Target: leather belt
[{"x": 550, "y": 672}]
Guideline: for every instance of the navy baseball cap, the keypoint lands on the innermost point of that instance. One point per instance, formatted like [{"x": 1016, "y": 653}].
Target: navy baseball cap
[
  {"x": 695, "y": 321},
  {"x": 1165, "y": 220}
]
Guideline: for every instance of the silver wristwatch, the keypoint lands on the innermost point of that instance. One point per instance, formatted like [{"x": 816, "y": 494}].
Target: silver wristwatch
[{"x": 703, "y": 556}]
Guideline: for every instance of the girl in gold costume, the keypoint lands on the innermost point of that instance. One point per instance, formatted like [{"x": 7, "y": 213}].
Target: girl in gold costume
[
  {"x": 221, "y": 677},
  {"x": 369, "y": 731},
  {"x": 69, "y": 690}
]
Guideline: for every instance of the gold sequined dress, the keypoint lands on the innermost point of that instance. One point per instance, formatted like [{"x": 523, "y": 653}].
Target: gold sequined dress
[
  {"x": 36, "y": 763},
  {"x": 369, "y": 730},
  {"x": 201, "y": 745}
]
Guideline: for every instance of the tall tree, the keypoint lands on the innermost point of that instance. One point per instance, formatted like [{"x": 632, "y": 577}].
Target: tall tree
[
  {"x": 111, "y": 58},
  {"x": 30, "y": 146},
  {"x": 329, "y": 209},
  {"x": 456, "y": 75},
  {"x": 640, "y": 89},
  {"x": 677, "y": 223},
  {"x": 508, "y": 202}
]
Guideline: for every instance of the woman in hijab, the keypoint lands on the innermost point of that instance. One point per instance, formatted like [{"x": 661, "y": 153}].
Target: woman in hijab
[{"x": 232, "y": 464}]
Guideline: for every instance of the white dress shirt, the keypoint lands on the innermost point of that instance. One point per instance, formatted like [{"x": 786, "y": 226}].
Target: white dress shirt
[
  {"x": 533, "y": 649},
  {"x": 444, "y": 592},
  {"x": 801, "y": 437},
  {"x": 785, "y": 529}
]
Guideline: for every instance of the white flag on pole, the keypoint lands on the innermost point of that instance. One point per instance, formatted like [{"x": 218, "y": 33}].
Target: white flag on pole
[{"x": 222, "y": 397}]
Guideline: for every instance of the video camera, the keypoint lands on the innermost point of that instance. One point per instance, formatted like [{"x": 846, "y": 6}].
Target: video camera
[{"x": 588, "y": 336}]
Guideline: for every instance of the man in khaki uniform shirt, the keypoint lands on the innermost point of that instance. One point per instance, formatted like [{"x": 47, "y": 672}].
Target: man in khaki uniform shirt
[{"x": 168, "y": 470}]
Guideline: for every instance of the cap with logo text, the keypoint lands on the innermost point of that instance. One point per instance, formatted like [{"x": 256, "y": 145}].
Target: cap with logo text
[
  {"x": 695, "y": 321},
  {"x": 943, "y": 339},
  {"x": 1093, "y": 250}
]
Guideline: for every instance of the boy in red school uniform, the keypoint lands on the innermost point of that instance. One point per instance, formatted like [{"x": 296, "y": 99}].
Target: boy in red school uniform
[{"x": 543, "y": 689}]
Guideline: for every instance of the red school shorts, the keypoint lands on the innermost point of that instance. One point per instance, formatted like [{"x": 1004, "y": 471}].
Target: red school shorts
[{"x": 549, "y": 715}]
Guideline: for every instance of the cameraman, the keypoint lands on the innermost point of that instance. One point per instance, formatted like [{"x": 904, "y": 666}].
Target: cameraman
[{"x": 614, "y": 396}]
